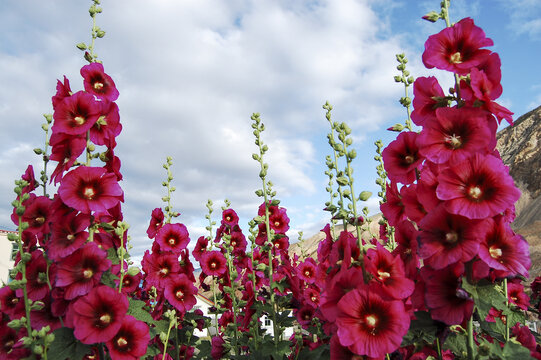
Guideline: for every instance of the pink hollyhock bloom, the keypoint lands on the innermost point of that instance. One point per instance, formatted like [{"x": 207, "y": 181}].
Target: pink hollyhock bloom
[
  {"x": 36, "y": 276},
  {"x": 67, "y": 235},
  {"x": 156, "y": 222},
  {"x": 98, "y": 316},
  {"x": 412, "y": 206},
  {"x": 517, "y": 296},
  {"x": 63, "y": 90},
  {"x": 305, "y": 314},
  {"x": 455, "y": 135},
  {"x": 280, "y": 244},
  {"x": 279, "y": 222},
  {"x": 82, "y": 270},
  {"x": 444, "y": 295},
  {"x": 97, "y": 82},
  {"x": 230, "y": 217},
  {"x": 445, "y": 238},
  {"x": 200, "y": 247},
  {"x": 393, "y": 208},
  {"x": 477, "y": 188},
  {"x": 107, "y": 127},
  {"x": 180, "y": 292},
  {"x": 37, "y": 214},
  {"x": 12, "y": 347},
  {"x": 29, "y": 177},
  {"x": 427, "y": 184},
  {"x": 406, "y": 239},
  {"x": 401, "y": 157},
  {"x": 173, "y": 237},
  {"x": 213, "y": 263},
  {"x": 131, "y": 340},
  {"x": 312, "y": 295},
  {"x": 45, "y": 316},
  {"x": 428, "y": 96},
  {"x": 505, "y": 251},
  {"x": 217, "y": 350},
  {"x": 344, "y": 249},
  {"x": 10, "y": 304},
  {"x": 159, "y": 268},
  {"x": 90, "y": 189},
  {"x": 238, "y": 242},
  {"x": 388, "y": 271},
  {"x": 307, "y": 270},
  {"x": 65, "y": 149},
  {"x": 76, "y": 114},
  {"x": 336, "y": 287},
  {"x": 369, "y": 325},
  {"x": 457, "y": 48}
]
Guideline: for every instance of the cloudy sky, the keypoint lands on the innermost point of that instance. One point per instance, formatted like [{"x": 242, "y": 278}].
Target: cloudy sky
[{"x": 191, "y": 72}]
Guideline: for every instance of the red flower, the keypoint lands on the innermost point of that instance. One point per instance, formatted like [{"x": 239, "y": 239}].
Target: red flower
[
  {"x": 37, "y": 213},
  {"x": 107, "y": 127},
  {"x": 230, "y": 217},
  {"x": 10, "y": 304},
  {"x": 457, "y": 48},
  {"x": 173, "y": 237},
  {"x": 180, "y": 292},
  {"x": 337, "y": 287},
  {"x": 477, "y": 188},
  {"x": 159, "y": 267},
  {"x": 156, "y": 222},
  {"x": 369, "y": 325},
  {"x": 200, "y": 248},
  {"x": 98, "y": 316},
  {"x": 36, "y": 275},
  {"x": 97, "y": 82},
  {"x": 427, "y": 96},
  {"x": 307, "y": 270},
  {"x": 401, "y": 157},
  {"x": 131, "y": 340},
  {"x": 213, "y": 263},
  {"x": 393, "y": 208},
  {"x": 82, "y": 270},
  {"x": 63, "y": 90},
  {"x": 65, "y": 149},
  {"x": 76, "y": 114},
  {"x": 279, "y": 222},
  {"x": 68, "y": 234},
  {"x": 407, "y": 244},
  {"x": 90, "y": 189}
]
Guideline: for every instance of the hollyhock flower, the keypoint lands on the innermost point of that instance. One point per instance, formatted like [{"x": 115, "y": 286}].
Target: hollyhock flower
[
  {"x": 505, "y": 251},
  {"x": 279, "y": 222},
  {"x": 200, "y": 247},
  {"x": 213, "y": 263},
  {"x": 536, "y": 288},
  {"x": 238, "y": 242},
  {"x": 280, "y": 244},
  {"x": 131, "y": 340},
  {"x": 455, "y": 135},
  {"x": 524, "y": 336},
  {"x": 156, "y": 222},
  {"x": 344, "y": 249},
  {"x": 393, "y": 207},
  {"x": 97, "y": 82},
  {"x": 37, "y": 274},
  {"x": 173, "y": 237},
  {"x": 112, "y": 163},
  {"x": 76, "y": 114},
  {"x": 307, "y": 270},
  {"x": 388, "y": 271},
  {"x": 369, "y": 325},
  {"x": 107, "y": 127},
  {"x": 63, "y": 90},
  {"x": 217, "y": 350},
  {"x": 130, "y": 282},
  {"x": 90, "y": 189},
  {"x": 37, "y": 214},
  {"x": 230, "y": 217},
  {"x": 413, "y": 208},
  {"x": 65, "y": 149},
  {"x": 180, "y": 292},
  {"x": 98, "y": 316},
  {"x": 406, "y": 239},
  {"x": 80, "y": 272},
  {"x": 324, "y": 247},
  {"x": 401, "y": 157},
  {"x": 29, "y": 177},
  {"x": 305, "y": 314},
  {"x": 445, "y": 238},
  {"x": 11, "y": 346},
  {"x": 517, "y": 296},
  {"x": 428, "y": 96},
  {"x": 67, "y": 235},
  {"x": 477, "y": 188},
  {"x": 10, "y": 304},
  {"x": 336, "y": 287},
  {"x": 45, "y": 316},
  {"x": 444, "y": 295},
  {"x": 426, "y": 186},
  {"x": 159, "y": 268},
  {"x": 312, "y": 295},
  {"x": 457, "y": 48}
]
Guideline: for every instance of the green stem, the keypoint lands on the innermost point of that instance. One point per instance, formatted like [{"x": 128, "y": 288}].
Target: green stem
[
  {"x": 23, "y": 272},
  {"x": 438, "y": 346},
  {"x": 507, "y": 305},
  {"x": 470, "y": 344}
]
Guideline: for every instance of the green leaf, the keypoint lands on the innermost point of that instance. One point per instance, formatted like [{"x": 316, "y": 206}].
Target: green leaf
[
  {"x": 423, "y": 328},
  {"x": 513, "y": 350},
  {"x": 109, "y": 279},
  {"x": 113, "y": 256},
  {"x": 137, "y": 310},
  {"x": 66, "y": 346},
  {"x": 457, "y": 344}
]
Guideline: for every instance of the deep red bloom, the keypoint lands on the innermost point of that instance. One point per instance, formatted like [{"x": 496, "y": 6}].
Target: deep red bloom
[
  {"x": 345, "y": 248},
  {"x": 90, "y": 189},
  {"x": 517, "y": 296},
  {"x": 180, "y": 292},
  {"x": 336, "y": 287},
  {"x": 457, "y": 48},
  {"x": 477, "y": 188},
  {"x": 11, "y": 346},
  {"x": 445, "y": 238},
  {"x": 29, "y": 177},
  {"x": 76, "y": 114},
  {"x": 156, "y": 222},
  {"x": 393, "y": 207},
  {"x": 65, "y": 149},
  {"x": 213, "y": 263},
  {"x": 37, "y": 214},
  {"x": 401, "y": 157},
  {"x": 63, "y": 90},
  {"x": 279, "y": 222},
  {"x": 456, "y": 134},
  {"x": 406, "y": 239},
  {"x": 131, "y": 340},
  {"x": 369, "y": 325},
  {"x": 98, "y": 316},
  {"x": 108, "y": 126},
  {"x": 159, "y": 267},
  {"x": 427, "y": 184},
  {"x": 200, "y": 247},
  {"x": 10, "y": 303},
  {"x": 97, "y": 82},
  {"x": 428, "y": 96},
  {"x": 412, "y": 206},
  {"x": 173, "y": 237},
  {"x": 217, "y": 350},
  {"x": 36, "y": 275},
  {"x": 82, "y": 270},
  {"x": 67, "y": 235},
  {"x": 230, "y": 217},
  {"x": 307, "y": 270}
]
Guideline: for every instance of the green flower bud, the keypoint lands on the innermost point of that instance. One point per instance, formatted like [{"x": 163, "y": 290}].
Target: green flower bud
[
  {"x": 365, "y": 195},
  {"x": 81, "y": 46},
  {"x": 432, "y": 16},
  {"x": 132, "y": 271}
]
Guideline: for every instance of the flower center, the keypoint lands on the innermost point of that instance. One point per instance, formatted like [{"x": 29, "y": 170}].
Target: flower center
[
  {"x": 88, "y": 273},
  {"x": 213, "y": 265},
  {"x": 164, "y": 271},
  {"x": 475, "y": 192},
  {"x": 277, "y": 223},
  {"x": 40, "y": 219},
  {"x": 495, "y": 252},
  {"x": 409, "y": 159},
  {"x": 121, "y": 342},
  {"x": 233, "y": 243},
  {"x": 15, "y": 301},
  {"x": 179, "y": 294},
  {"x": 307, "y": 273},
  {"x": 455, "y": 58},
  {"x": 228, "y": 218},
  {"x": 79, "y": 120},
  {"x": 105, "y": 319},
  {"x": 98, "y": 86},
  {"x": 371, "y": 321},
  {"x": 451, "y": 237},
  {"x": 9, "y": 344},
  {"x": 172, "y": 241},
  {"x": 313, "y": 298},
  {"x": 383, "y": 274},
  {"x": 70, "y": 237},
  {"x": 89, "y": 193},
  {"x": 454, "y": 141},
  {"x": 277, "y": 245}
]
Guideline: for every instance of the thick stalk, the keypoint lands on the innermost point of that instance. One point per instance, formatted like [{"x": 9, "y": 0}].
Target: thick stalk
[
  {"x": 470, "y": 343},
  {"x": 23, "y": 273}
]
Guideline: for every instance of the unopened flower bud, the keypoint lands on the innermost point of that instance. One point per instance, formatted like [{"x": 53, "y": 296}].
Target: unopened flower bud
[{"x": 432, "y": 16}]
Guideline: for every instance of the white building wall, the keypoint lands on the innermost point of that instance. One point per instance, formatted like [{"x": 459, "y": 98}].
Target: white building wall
[{"x": 5, "y": 256}]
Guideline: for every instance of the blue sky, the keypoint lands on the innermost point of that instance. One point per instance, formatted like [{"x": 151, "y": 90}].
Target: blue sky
[{"x": 191, "y": 73}]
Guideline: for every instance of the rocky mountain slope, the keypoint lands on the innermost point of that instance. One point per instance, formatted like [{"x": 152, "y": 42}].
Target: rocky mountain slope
[{"x": 520, "y": 149}]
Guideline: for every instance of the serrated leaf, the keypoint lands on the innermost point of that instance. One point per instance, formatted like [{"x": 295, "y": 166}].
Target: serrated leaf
[
  {"x": 137, "y": 310},
  {"x": 513, "y": 350},
  {"x": 66, "y": 346}
]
